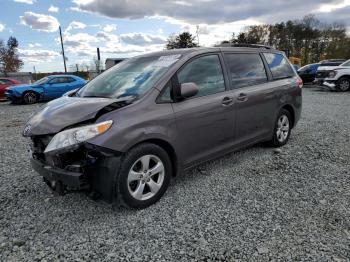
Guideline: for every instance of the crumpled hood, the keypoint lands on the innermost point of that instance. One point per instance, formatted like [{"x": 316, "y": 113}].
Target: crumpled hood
[{"x": 66, "y": 111}]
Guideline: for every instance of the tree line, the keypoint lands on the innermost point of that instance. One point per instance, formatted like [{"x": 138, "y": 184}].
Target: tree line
[{"x": 307, "y": 38}]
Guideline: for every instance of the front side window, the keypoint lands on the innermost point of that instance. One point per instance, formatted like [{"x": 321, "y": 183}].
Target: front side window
[
  {"x": 206, "y": 73},
  {"x": 279, "y": 66},
  {"x": 58, "y": 80},
  {"x": 42, "y": 81},
  {"x": 166, "y": 95},
  {"x": 246, "y": 69},
  {"x": 130, "y": 78}
]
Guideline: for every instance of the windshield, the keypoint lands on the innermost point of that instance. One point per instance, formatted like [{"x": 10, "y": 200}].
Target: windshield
[
  {"x": 133, "y": 77},
  {"x": 346, "y": 63},
  {"x": 41, "y": 81}
]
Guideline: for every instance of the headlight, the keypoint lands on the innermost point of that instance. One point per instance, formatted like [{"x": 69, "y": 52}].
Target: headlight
[
  {"x": 77, "y": 135},
  {"x": 332, "y": 74}
]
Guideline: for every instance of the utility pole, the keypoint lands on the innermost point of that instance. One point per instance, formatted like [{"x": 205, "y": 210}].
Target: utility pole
[
  {"x": 34, "y": 72},
  {"x": 197, "y": 31},
  {"x": 77, "y": 67},
  {"x": 98, "y": 60},
  {"x": 64, "y": 57}
]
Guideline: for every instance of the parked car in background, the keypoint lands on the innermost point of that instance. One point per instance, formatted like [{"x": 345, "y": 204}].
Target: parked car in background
[
  {"x": 4, "y": 83},
  {"x": 125, "y": 133},
  {"x": 47, "y": 88},
  {"x": 338, "y": 78},
  {"x": 308, "y": 73},
  {"x": 325, "y": 67}
]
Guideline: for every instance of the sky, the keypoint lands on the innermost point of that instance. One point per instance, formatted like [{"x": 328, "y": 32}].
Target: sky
[{"x": 125, "y": 28}]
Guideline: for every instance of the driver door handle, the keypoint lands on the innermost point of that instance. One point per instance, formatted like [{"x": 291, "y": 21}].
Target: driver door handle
[
  {"x": 227, "y": 100},
  {"x": 242, "y": 97}
]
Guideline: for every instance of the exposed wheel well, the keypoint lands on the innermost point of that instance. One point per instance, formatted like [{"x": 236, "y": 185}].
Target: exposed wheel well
[
  {"x": 290, "y": 109},
  {"x": 168, "y": 148}
]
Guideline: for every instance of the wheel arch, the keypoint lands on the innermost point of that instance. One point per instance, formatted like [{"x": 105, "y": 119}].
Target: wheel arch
[
  {"x": 346, "y": 75},
  {"x": 33, "y": 91},
  {"x": 167, "y": 147},
  {"x": 290, "y": 109}
]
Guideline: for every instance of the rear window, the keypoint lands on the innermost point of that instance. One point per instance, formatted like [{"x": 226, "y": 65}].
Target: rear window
[
  {"x": 279, "y": 66},
  {"x": 246, "y": 69}
]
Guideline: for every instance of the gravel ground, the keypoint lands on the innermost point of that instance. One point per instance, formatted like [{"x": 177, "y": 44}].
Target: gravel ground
[{"x": 257, "y": 204}]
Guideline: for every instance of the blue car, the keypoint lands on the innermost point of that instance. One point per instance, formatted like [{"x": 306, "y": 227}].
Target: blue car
[{"x": 47, "y": 88}]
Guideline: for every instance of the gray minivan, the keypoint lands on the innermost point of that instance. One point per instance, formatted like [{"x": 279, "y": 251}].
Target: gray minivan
[{"x": 125, "y": 133}]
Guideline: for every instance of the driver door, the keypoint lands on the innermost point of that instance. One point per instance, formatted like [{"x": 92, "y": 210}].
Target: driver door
[
  {"x": 56, "y": 87},
  {"x": 205, "y": 122}
]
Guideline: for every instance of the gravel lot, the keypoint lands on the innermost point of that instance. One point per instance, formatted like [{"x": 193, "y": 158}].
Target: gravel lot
[{"x": 256, "y": 204}]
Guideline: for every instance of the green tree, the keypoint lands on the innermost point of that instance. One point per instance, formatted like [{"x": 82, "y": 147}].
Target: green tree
[
  {"x": 183, "y": 40},
  {"x": 9, "y": 61},
  {"x": 308, "y": 38}
]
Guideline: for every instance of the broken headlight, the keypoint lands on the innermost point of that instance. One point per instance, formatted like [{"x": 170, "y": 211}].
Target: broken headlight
[{"x": 77, "y": 135}]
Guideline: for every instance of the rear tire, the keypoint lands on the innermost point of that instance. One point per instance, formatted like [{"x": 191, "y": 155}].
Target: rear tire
[
  {"x": 343, "y": 84},
  {"x": 282, "y": 130},
  {"x": 144, "y": 176},
  {"x": 30, "y": 97}
]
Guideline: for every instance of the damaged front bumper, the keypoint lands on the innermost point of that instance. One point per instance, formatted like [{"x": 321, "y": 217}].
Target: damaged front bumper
[
  {"x": 86, "y": 168},
  {"x": 329, "y": 85}
]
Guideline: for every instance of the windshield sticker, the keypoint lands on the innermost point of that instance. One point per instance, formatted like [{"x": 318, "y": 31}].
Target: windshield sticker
[{"x": 165, "y": 61}]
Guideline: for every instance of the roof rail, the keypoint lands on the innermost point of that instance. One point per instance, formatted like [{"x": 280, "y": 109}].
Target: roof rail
[{"x": 245, "y": 45}]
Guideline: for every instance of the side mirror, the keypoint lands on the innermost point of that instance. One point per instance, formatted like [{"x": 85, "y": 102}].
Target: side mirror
[
  {"x": 188, "y": 90},
  {"x": 71, "y": 92}
]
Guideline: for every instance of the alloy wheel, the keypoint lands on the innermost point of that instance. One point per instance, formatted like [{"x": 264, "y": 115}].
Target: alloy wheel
[
  {"x": 146, "y": 177},
  {"x": 344, "y": 85},
  {"x": 282, "y": 128},
  {"x": 30, "y": 98}
]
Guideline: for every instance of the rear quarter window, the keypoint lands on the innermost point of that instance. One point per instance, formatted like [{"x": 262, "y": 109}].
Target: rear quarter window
[{"x": 279, "y": 66}]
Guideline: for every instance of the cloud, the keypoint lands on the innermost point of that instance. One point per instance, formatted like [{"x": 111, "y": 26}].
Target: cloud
[
  {"x": 2, "y": 27},
  {"x": 110, "y": 28},
  {"x": 34, "y": 45},
  {"x": 103, "y": 35},
  {"x": 75, "y": 25},
  {"x": 40, "y": 22},
  {"x": 210, "y": 11},
  {"x": 29, "y": 2},
  {"x": 37, "y": 56},
  {"x": 142, "y": 39},
  {"x": 84, "y": 44},
  {"x": 53, "y": 9}
]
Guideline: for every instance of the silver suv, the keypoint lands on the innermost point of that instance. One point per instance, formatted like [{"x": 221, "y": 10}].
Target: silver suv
[{"x": 124, "y": 134}]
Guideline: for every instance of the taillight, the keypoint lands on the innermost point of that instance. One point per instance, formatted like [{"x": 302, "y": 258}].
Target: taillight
[{"x": 300, "y": 82}]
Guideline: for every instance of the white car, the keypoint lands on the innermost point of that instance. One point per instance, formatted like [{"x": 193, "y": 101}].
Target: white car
[
  {"x": 338, "y": 78},
  {"x": 325, "y": 67}
]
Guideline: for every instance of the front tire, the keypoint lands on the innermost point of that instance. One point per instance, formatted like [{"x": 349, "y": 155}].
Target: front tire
[
  {"x": 282, "y": 130},
  {"x": 343, "y": 84},
  {"x": 144, "y": 176},
  {"x": 30, "y": 98}
]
